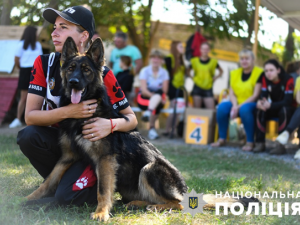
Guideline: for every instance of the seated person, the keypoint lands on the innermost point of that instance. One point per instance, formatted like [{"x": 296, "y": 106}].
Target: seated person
[
  {"x": 125, "y": 77},
  {"x": 154, "y": 81},
  {"x": 294, "y": 123},
  {"x": 245, "y": 85},
  {"x": 276, "y": 101}
]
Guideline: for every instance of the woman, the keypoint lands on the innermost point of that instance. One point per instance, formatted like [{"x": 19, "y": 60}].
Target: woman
[
  {"x": 175, "y": 66},
  {"x": 245, "y": 86},
  {"x": 204, "y": 71},
  {"x": 154, "y": 83},
  {"x": 294, "y": 123},
  {"x": 276, "y": 101},
  {"x": 27, "y": 51},
  {"x": 38, "y": 141}
]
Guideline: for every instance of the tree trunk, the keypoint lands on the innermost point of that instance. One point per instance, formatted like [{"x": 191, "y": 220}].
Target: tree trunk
[
  {"x": 288, "y": 54},
  {"x": 146, "y": 59},
  {"x": 6, "y": 10},
  {"x": 250, "y": 30},
  {"x": 195, "y": 16}
]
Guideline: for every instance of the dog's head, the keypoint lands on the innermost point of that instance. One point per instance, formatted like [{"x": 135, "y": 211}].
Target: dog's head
[{"x": 81, "y": 74}]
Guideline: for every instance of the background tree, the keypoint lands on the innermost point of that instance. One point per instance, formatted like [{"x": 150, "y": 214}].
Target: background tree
[{"x": 224, "y": 18}]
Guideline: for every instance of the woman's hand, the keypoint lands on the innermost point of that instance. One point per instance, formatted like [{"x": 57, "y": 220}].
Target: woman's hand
[
  {"x": 81, "y": 110},
  {"x": 259, "y": 105},
  {"x": 96, "y": 128},
  {"x": 234, "y": 112},
  {"x": 266, "y": 104}
]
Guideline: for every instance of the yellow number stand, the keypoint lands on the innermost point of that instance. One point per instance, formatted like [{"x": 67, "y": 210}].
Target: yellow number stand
[{"x": 199, "y": 126}]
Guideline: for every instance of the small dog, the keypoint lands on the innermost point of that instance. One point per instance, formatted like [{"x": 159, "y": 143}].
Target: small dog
[{"x": 123, "y": 161}]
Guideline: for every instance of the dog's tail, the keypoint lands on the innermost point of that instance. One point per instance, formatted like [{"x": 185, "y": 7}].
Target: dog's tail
[{"x": 212, "y": 200}]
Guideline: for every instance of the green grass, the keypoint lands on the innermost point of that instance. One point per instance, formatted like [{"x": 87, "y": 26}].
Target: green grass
[{"x": 205, "y": 171}]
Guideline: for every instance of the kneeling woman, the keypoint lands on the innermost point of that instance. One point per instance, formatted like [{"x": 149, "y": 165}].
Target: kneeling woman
[
  {"x": 276, "y": 102},
  {"x": 245, "y": 85}
]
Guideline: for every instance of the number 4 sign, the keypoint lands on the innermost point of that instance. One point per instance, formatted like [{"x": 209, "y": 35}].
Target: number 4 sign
[{"x": 197, "y": 129}]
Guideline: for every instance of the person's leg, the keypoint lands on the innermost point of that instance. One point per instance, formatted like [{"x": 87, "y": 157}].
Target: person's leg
[
  {"x": 294, "y": 122},
  {"x": 41, "y": 146},
  {"x": 154, "y": 101},
  {"x": 170, "y": 119},
  {"x": 64, "y": 192},
  {"x": 247, "y": 114},
  {"x": 283, "y": 114},
  {"x": 260, "y": 126},
  {"x": 22, "y": 103},
  {"x": 223, "y": 112},
  {"x": 209, "y": 102},
  {"x": 153, "y": 118},
  {"x": 197, "y": 101}
]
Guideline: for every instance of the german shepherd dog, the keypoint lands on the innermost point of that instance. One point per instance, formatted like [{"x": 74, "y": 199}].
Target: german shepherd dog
[{"x": 123, "y": 161}]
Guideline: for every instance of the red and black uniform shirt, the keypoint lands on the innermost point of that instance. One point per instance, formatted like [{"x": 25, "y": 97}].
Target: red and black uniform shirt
[
  {"x": 280, "y": 93},
  {"x": 38, "y": 83}
]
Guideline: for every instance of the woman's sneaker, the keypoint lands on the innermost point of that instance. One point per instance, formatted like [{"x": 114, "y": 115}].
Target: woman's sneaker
[
  {"x": 152, "y": 135},
  {"x": 297, "y": 155},
  {"x": 283, "y": 138},
  {"x": 15, "y": 123},
  {"x": 146, "y": 115}
]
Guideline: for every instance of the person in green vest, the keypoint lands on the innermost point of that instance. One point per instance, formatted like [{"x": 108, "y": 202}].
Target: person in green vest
[
  {"x": 245, "y": 87},
  {"x": 204, "y": 77},
  {"x": 174, "y": 63}
]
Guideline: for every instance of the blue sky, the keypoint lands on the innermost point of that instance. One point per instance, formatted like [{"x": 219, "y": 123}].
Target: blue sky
[{"x": 179, "y": 13}]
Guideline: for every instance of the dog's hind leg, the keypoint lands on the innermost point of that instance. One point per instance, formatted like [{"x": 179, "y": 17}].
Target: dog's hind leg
[
  {"x": 160, "y": 184},
  {"x": 50, "y": 184},
  {"x": 105, "y": 170}
]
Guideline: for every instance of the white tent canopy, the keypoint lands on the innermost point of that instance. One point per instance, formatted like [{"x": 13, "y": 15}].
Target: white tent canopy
[{"x": 289, "y": 10}]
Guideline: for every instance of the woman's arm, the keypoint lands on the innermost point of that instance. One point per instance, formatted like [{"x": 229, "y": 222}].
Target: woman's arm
[
  {"x": 165, "y": 86},
  {"x": 220, "y": 73},
  {"x": 97, "y": 128},
  {"x": 144, "y": 89},
  {"x": 35, "y": 116},
  {"x": 298, "y": 97},
  {"x": 17, "y": 61},
  {"x": 232, "y": 97}
]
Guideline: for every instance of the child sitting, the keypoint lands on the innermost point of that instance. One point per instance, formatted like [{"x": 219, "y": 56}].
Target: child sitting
[{"x": 125, "y": 77}]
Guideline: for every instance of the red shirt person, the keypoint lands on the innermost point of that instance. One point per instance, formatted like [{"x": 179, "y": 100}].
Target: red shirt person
[{"x": 39, "y": 141}]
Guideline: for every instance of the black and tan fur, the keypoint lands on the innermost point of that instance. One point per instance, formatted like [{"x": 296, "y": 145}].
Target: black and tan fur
[{"x": 123, "y": 161}]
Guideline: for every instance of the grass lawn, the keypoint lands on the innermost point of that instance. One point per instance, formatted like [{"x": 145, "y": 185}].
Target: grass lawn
[{"x": 205, "y": 171}]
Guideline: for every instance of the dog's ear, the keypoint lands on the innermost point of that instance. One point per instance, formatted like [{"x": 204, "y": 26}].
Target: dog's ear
[
  {"x": 69, "y": 49},
  {"x": 96, "y": 52}
]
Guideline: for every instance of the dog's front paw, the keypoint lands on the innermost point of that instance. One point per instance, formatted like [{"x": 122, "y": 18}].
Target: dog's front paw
[
  {"x": 155, "y": 207},
  {"x": 32, "y": 197},
  {"x": 102, "y": 216}
]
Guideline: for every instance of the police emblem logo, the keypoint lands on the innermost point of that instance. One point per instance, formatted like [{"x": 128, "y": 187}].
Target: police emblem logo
[
  {"x": 51, "y": 83},
  {"x": 193, "y": 203}
]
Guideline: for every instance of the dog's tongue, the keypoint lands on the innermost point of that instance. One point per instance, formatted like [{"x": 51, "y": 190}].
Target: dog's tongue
[{"x": 75, "y": 96}]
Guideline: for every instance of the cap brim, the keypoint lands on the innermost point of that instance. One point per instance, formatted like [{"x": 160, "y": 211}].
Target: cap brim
[{"x": 50, "y": 15}]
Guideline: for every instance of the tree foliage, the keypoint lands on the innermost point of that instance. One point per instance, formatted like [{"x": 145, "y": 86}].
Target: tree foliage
[
  {"x": 224, "y": 18},
  {"x": 287, "y": 49}
]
